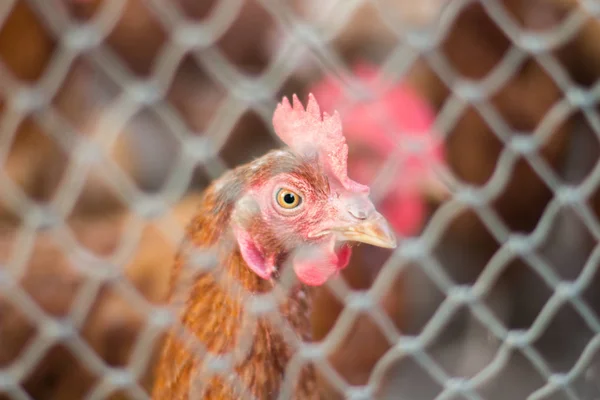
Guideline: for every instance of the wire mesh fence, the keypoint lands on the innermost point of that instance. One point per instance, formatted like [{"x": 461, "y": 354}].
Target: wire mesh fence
[{"x": 474, "y": 123}]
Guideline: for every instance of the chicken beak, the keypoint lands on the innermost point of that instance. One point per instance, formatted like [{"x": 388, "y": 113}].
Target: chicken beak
[{"x": 373, "y": 230}]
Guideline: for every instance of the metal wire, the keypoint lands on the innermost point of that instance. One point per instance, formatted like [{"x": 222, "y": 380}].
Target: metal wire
[{"x": 245, "y": 93}]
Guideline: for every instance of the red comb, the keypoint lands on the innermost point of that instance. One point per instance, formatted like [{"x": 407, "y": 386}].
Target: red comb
[
  {"x": 307, "y": 132},
  {"x": 400, "y": 110}
]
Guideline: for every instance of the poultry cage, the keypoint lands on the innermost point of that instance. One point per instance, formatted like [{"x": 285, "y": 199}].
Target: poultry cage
[{"x": 474, "y": 124}]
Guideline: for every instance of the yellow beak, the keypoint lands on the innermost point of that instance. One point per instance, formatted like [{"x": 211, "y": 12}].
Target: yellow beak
[{"x": 373, "y": 230}]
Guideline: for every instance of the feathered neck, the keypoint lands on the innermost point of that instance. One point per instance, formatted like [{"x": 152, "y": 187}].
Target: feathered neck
[{"x": 211, "y": 307}]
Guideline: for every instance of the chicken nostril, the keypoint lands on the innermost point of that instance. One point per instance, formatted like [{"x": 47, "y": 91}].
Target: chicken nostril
[{"x": 358, "y": 214}]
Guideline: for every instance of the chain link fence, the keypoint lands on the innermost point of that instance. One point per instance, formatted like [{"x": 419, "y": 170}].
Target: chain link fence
[{"x": 117, "y": 114}]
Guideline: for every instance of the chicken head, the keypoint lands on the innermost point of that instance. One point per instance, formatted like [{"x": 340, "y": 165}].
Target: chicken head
[{"x": 300, "y": 203}]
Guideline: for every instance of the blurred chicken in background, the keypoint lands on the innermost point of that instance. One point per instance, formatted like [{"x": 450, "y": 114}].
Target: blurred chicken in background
[
  {"x": 35, "y": 159},
  {"x": 393, "y": 124},
  {"x": 85, "y": 290},
  {"x": 530, "y": 101},
  {"x": 143, "y": 43}
]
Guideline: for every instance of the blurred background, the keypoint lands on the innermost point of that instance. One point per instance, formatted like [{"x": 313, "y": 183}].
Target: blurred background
[{"x": 474, "y": 122}]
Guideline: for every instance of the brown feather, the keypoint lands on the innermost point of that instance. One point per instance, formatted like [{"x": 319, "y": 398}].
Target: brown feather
[{"x": 212, "y": 309}]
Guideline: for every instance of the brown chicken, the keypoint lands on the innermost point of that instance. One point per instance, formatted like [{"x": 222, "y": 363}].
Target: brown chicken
[
  {"x": 25, "y": 50},
  {"x": 384, "y": 126},
  {"x": 108, "y": 319},
  {"x": 38, "y": 161},
  {"x": 139, "y": 34},
  {"x": 527, "y": 101},
  {"x": 580, "y": 56},
  {"x": 140, "y": 39},
  {"x": 295, "y": 205},
  {"x": 523, "y": 101}
]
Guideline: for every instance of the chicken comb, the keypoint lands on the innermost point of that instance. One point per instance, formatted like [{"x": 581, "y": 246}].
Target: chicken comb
[
  {"x": 307, "y": 132},
  {"x": 388, "y": 122}
]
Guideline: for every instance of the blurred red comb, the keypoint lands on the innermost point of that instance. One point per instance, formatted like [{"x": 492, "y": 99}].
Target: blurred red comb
[
  {"x": 399, "y": 115},
  {"x": 306, "y": 132},
  {"x": 401, "y": 105}
]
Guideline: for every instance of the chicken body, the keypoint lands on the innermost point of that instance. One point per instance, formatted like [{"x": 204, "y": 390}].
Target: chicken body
[
  {"x": 213, "y": 310},
  {"x": 214, "y": 313}
]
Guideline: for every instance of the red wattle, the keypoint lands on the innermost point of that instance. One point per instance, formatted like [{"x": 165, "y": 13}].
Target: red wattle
[
  {"x": 315, "y": 268},
  {"x": 343, "y": 255}
]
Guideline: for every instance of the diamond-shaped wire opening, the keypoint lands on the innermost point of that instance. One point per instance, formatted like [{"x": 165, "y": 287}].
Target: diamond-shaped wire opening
[
  {"x": 251, "y": 130},
  {"x": 28, "y": 168},
  {"x": 25, "y": 55},
  {"x": 16, "y": 330},
  {"x": 60, "y": 373},
  {"x": 132, "y": 30},
  {"x": 411, "y": 380}
]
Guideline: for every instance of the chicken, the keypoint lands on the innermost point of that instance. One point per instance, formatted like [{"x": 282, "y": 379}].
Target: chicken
[
  {"x": 141, "y": 41},
  {"x": 35, "y": 158},
  {"x": 25, "y": 50},
  {"x": 25, "y": 46},
  {"x": 370, "y": 127},
  {"x": 139, "y": 34},
  {"x": 580, "y": 44},
  {"x": 526, "y": 103},
  {"x": 109, "y": 320},
  {"x": 580, "y": 57},
  {"x": 394, "y": 109},
  {"x": 294, "y": 206},
  {"x": 522, "y": 101}
]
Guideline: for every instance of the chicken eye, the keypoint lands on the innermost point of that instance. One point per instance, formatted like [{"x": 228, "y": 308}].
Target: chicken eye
[{"x": 288, "y": 199}]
